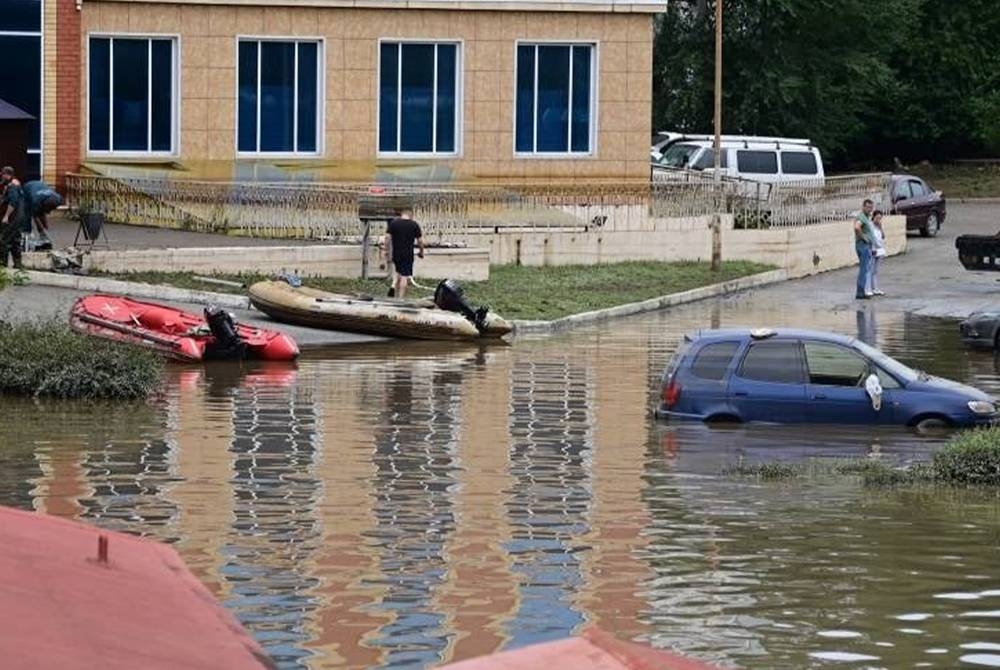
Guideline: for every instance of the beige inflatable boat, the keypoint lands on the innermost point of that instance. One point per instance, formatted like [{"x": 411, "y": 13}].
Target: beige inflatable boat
[{"x": 419, "y": 319}]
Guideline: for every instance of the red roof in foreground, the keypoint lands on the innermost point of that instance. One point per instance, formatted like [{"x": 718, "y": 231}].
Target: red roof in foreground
[
  {"x": 62, "y": 607},
  {"x": 593, "y": 650}
]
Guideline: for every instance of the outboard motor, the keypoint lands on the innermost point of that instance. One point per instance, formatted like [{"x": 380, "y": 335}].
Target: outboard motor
[
  {"x": 228, "y": 343},
  {"x": 450, "y": 296}
]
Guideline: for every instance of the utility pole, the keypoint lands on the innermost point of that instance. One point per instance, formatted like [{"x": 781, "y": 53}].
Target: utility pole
[{"x": 717, "y": 145}]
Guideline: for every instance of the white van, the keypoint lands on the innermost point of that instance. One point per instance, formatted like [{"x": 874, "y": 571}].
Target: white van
[{"x": 764, "y": 159}]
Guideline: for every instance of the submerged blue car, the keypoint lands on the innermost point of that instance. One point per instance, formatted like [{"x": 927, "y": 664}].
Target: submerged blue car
[{"x": 799, "y": 376}]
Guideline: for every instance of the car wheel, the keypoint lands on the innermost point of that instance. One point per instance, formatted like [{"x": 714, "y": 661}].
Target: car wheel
[
  {"x": 932, "y": 226},
  {"x": 932, "y": 425}
]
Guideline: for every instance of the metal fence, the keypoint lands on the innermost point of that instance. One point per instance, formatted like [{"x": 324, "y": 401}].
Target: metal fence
[{"x": 330, "y": 211}]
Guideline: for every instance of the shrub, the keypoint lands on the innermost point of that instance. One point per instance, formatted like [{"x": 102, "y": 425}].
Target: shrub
[
  {"x": 49, "y": 359},
  {"x": 765, "y": 471},
  {"x": 970, "y": 458}
]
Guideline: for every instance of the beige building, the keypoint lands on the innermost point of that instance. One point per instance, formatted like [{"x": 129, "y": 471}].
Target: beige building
[{"x": 476, "y": 88}]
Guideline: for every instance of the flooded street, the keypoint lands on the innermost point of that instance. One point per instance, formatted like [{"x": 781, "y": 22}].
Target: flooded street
[{"x": 407, "y": 505}]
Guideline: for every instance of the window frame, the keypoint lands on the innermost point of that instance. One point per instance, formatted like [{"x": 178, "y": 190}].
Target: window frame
[
  {"x": 40, "y": 34},
  {"x": 595, "y": 110},
  {"x": 459, "y": 44},
  {"x": 800, "y": 360},
  {"x": 175, "y": 91},
  {"x": 843, "y": 349},
  {"x": 320, "y": 150}
]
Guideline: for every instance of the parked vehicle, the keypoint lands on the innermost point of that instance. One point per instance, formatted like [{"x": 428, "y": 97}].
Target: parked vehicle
[
  {"x": 981, "y": 330},
  {"x": 660, "y": 142},
  {"x": 923, "y": 207},
  {"x": 979, "y": 252},
  {"x": 762, "y": 159},
  {"x": 802, "y": 376}
]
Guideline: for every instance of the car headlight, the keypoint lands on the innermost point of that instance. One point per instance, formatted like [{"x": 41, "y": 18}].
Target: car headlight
[{"x": 982, "y": 407}]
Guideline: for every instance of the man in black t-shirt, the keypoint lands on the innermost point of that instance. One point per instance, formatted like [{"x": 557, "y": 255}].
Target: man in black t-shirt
[{"x": 400, "y": 235}]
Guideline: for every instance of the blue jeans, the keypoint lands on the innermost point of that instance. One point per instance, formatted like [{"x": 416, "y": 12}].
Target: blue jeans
[{"x": 864, "y": 251}]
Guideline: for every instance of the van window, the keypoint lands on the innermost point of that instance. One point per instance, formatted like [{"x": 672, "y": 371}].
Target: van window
[
  {"x": 776, "y": 362},
  {"x": 706, "y": 161},
  {"x": 917, "y": 188},
  {"x": 757, "y": 162},
  {"x": 678, "y": 155},
  {"x": 798, "y": 162},
  {"x": 713, "y": 360},
  {"x": 902, "y": 190}
]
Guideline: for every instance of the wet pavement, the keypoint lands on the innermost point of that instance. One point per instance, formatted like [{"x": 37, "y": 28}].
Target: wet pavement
[{"x": 391, "y": 506}]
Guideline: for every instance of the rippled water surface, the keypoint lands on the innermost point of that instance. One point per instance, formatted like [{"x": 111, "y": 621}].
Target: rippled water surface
[{"x": 408, "y": 505}]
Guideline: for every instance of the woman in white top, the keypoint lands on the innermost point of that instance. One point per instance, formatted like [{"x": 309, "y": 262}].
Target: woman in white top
[{"x": 878, "y": 252}]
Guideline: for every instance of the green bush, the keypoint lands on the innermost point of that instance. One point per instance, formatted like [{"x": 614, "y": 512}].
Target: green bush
[
  {"x": 765, "y": 471},
  {"x": 49, "y": 359},
  {"x": 970, "y": 458}
]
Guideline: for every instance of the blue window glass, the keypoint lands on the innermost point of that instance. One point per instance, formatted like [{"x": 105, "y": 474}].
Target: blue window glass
[
  {"x": 581, "y": 99},
  {"x": 100, "y": 95},
  {"x": 525, "y": 120},
  {"x": 161, "y": 95},
  {"x": 21, "y": 83},
  {"x": 131, "y": 94},
  {"x": 247, "y": 106},
  {"x": 446, "y": 80},
  {"x": 388, "y": 99},
  {"x": 416, "y": 94},
  {"x": 418, "y": 98},
  {"x": 21, "y": 16},
  {"x": 278, "y": 107},
  {"x": 554, "y": 98},
  {"x": 308, "y": 64},
  {"x": 277, "y": 96}
]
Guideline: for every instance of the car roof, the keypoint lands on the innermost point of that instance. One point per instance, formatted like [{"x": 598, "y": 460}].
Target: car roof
[
  {"x": 749, "y": 144},
  {"x": 718, "y": 334}
]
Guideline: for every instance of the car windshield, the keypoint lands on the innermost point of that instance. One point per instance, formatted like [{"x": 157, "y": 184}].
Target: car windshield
[
  {"x": 891, "y": 365},
  {"x": 678, "y": 155}
]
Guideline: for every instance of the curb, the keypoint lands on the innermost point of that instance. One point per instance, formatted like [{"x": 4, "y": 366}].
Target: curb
[
  {"x": 653, "y": 304},
  {"x": 990, "y": 200},
  {"x": 137, "y": 290}
]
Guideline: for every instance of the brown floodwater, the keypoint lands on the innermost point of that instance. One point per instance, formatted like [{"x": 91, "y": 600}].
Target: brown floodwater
[{"x": 407, "y": 505}]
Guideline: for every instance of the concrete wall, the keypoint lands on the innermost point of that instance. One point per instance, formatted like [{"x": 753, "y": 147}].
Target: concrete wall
[
  {"x": 801, "y": 250},
  {"x": 207, "y": 42},
  {"x": 307, "y": 261}
]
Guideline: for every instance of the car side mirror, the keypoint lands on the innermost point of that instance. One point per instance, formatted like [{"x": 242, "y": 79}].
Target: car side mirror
[{"x": 873, "y": 387}]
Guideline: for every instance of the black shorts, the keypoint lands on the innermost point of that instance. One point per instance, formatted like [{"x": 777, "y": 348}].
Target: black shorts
[{"x": 404, "y": 266}]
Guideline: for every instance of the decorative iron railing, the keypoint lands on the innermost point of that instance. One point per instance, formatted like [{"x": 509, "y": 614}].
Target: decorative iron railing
[{"x": 331, "y": 211}]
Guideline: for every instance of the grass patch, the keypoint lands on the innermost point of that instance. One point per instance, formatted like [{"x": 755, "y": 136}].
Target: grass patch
[
  {"x": 518, "y": 292},
  {"x": 15, "y": 278},
  {"x": 961, "y": 180},
  {"x": 970, "y": 458},
  {"x": 49, "y": 359}
]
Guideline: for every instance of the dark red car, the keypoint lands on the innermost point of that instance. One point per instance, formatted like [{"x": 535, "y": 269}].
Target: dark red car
[{"x": 923, "y": 207}]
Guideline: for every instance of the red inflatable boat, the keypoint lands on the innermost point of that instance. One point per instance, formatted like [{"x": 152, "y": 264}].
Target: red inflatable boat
[{"x": 178, "y": 334}]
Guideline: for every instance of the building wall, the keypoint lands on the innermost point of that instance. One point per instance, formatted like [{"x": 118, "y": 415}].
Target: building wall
[{"x": 207, "y": 43}]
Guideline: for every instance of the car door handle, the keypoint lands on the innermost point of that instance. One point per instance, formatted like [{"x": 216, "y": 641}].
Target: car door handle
[
  {"x": 740, "y": 393},
  {"x": 819, "y": 396}
]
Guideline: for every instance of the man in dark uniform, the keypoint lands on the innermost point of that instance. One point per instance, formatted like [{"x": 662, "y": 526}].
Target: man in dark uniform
[
  {"x": 13, "y": 217},
  {"x": 400, "y": 235}
]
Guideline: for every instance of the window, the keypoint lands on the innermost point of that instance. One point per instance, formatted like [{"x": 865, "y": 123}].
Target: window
[
  {"x": 887, "y": 380},
  {"x": 831, "y": 365},
  {"x": 706, "y": 161},
  {"x": 917, "y": 188},
  {"x": 798, "y": 162},
  {"x": 713, "y": 360},
  {"x": 132, "y": 94},
  {"x": 757, "y": 162},
  {"x": 554, "y": 100},
  {"x": 776, "y": 362},
  {"x": 21, "y": 85},
  {"x": 418, "y": 104},
  {"x": 678, "y": 155},
  {"x": 902, "y": 190},
  {"x": 278, "y": 89}
]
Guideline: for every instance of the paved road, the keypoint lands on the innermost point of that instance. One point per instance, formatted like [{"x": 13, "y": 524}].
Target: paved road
[{"x": 926, "y": 280}]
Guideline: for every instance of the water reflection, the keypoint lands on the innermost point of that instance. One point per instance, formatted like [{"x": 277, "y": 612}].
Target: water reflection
[{"x": 406, "y": 506}]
